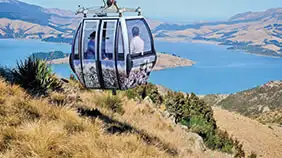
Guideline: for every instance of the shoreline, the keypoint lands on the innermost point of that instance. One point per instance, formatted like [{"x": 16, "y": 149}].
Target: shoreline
[
  {"x": 181, "y": 40},
  {"x": 165, "y": 61},
  {"x": 40, "y": 40},
  {"x": 173, "y": 40}
]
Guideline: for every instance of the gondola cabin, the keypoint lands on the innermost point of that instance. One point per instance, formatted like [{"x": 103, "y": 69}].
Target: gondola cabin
[{"x": 113, "y": 52}]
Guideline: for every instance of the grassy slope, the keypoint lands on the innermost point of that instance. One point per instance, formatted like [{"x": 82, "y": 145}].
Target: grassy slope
[
  {"x": 263, "y": 103},
  {"x": 265, "y": 141},
  {"x": 53, "y": 126}
]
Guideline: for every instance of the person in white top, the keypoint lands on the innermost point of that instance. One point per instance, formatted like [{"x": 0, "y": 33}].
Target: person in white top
[{"x": 136, "y": 44}]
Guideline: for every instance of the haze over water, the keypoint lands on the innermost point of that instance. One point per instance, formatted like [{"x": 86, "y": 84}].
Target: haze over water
[{"x": 217, "y": 70}]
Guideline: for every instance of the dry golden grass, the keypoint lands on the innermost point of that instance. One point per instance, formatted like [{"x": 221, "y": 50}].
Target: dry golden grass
[
  {"x": 264, "y": 140},
  {"x": 274, "y": 116},
  {"x": 77, "y": 124}
]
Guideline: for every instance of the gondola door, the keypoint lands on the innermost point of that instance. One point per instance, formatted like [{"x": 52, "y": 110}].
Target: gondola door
[
  {"x": 75, "y": 57},
  {"x": 107, "y": 54},
  {"x": 89, "y": 55}
]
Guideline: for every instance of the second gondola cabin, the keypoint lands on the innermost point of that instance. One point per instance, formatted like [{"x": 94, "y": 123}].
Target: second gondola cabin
[{"x": 113, "y": 52}]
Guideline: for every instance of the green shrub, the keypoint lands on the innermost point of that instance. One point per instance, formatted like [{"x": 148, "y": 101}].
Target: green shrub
[
  {"x": 35, "y": 76},
  {"x": 175, "y": 103},
  {"x": 141, "y": 92},
  {"x": 189, "y": 110},
  {"x": 113, "y": 103},
  {"x": 132, "y": 94},
  {"x": 200, "y": 125}
]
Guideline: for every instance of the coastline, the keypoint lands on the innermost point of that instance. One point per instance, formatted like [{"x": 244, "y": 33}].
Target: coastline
[
  {"x": 165, "y": 61},
  {"x": 183, "y": 40},
  {"x": 173, "y": 40},
  {"x": 35, "y": 39}
]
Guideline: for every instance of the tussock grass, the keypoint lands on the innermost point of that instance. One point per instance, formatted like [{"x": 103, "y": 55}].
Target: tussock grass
[
  {"x": 112, "y": 103},
  {"x": 38, "y": 127},
  {"x": 88, "y": 123}
]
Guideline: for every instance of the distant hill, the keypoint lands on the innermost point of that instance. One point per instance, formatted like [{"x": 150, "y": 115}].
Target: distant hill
[
  {"x": 254, "y": 32},
  {"x": 22, "y": 20},
  {"x": 273, "y": 13},
  {"x": 263, "y": 103}
]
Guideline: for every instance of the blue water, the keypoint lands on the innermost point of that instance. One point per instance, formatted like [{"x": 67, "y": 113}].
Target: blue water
[
  {"x": 12, "y": 50},
  {"x": 217, "y": 70}
]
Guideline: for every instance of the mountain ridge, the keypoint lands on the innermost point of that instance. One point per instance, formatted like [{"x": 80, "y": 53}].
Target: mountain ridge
[
  {"x": 263, "y": 103},
  {"x": 18, "y": 20},
  {"x": 254, "y": 32},
  {"x": 23, "y": 20}
]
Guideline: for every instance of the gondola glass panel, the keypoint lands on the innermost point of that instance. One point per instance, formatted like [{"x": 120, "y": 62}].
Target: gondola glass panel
[
  {"x": 107, "y": 53},
  {"x": 89, "y": 40},
  {"x": 76, "y": 63},
  {"x": 121, "y": 59},
  {"x": 142, "y": 55}
]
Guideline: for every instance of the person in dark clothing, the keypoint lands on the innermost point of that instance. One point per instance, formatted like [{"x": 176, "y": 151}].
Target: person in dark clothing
[{"x": 90, "y": 52}]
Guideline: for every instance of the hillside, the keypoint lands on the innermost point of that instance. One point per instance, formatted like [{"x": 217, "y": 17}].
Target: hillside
[
  {"x": 80, "y": 123},
  {"x": 263, "y": 103},
  {"x": 22, "y": 20},
  {"x": 254, "y": 32},
  {"x": 265, "y": 141}
]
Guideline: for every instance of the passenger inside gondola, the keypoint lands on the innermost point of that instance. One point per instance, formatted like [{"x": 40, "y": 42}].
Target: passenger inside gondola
[
  {"x": 90, "y": 53},
  {"x": 136, "y": 44}
]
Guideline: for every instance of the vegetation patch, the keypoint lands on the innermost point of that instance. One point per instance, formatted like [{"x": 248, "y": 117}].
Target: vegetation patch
[
  {"x": 112, "y": 103},
  {"x": 141, "y": 92},
  {"x": 35, "y": 76},
  {"x": 189, "y": 110},
  {"x": 49, "y": 55}
]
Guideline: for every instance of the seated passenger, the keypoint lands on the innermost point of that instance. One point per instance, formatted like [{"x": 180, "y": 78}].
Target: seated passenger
[
  {"x": 136, "y": 44},
  {"x": 90, "y": 52}
]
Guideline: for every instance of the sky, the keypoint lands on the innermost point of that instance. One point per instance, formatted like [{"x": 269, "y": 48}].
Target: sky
[{"x": 178, "y": 10}]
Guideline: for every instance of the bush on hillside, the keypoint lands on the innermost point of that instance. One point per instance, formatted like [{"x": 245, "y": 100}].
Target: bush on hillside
[
  {"x": 35, "y": 76},
  {"x": 193, "y": 112},
  {"x": 113, "y": 103},
  {"x": 189, "y": 110},
  {"x": 141, "y": 92}
]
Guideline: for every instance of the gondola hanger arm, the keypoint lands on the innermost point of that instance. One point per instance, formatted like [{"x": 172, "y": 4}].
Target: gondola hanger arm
[{"x": 109, "y": 7}]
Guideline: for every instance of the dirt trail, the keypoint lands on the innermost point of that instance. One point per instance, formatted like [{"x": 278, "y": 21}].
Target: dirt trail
[{"x": 264, "y": 140}]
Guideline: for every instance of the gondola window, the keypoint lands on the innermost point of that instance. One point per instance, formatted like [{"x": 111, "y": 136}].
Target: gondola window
[
  {"x": 139, "y": 37},
  {"x": 120, "y": 55},
  {"x": 90, "y": 36},
  {"x": 108, "y": 40}
]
